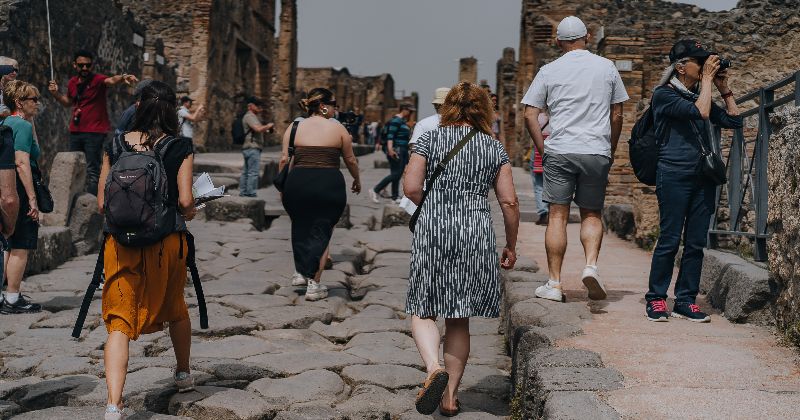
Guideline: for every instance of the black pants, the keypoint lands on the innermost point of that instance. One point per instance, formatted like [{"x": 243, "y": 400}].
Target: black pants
[
  {"x": 396, "y": 167},
  {"x": 315, "y": 199},
  {"x": 685, "y": 203},
  {"x": 91, "y": 144}
]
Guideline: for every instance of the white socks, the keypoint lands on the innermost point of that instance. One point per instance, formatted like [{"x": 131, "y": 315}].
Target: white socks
[{"x": 11, "y": 298}]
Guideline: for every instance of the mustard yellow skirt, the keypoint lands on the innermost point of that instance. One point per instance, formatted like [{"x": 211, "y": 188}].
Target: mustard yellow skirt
[{"x": 144, "y": 286}]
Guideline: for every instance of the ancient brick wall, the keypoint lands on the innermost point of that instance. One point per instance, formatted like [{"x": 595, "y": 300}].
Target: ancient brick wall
[
  {"x": 761, "y": 37},
  {"x": 284, "y": 90},
  {"x": 106, "y": 30},
  {"x": 468, "y": 70}
]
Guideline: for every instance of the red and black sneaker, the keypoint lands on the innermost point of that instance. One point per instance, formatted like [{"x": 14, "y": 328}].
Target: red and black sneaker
[
  {"x": 657, "y": 310},
  {"x": 690, "y": 311}
]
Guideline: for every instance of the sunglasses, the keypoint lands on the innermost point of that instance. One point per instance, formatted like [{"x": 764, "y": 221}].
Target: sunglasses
[
  {"x": 331, "y": 103},
  {"x": 84, "y": 65},
  {"x": 16, "y": 69},
  {"x": 35, "y": 99}
]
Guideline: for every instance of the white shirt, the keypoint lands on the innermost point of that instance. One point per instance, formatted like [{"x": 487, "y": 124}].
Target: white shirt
[
  {"x": 577, "y": 90},
  {"x": 423, "y": 126},
  {"x": 187, "y": 128}
]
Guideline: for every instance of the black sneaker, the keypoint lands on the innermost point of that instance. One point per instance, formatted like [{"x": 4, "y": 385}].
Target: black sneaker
[
  {"x": 657, "y": 310},
  {"x": 21, "y": 306},
  {"x": 690, "y": 311}
]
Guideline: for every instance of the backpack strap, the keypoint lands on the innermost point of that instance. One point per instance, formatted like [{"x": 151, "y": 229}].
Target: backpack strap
[{"x": 93, "y": 285}]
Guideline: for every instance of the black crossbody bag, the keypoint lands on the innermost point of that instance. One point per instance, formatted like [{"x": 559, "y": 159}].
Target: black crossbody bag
[
  {"x": 710, "y": 165},
  {"x": 438, "y": 171},
  {"x": 280, "y": 180}
]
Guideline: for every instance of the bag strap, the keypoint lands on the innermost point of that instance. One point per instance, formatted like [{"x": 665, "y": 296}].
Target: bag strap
[
  {"x": 291, "y": 138},
  {"x": 93, "y": 285},
  {"x": 191, "y": 262},
  {"x": 438, "y": 171}
]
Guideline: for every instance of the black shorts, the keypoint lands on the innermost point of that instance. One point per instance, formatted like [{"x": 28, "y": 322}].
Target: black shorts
[{"x": 26, "y": 234}]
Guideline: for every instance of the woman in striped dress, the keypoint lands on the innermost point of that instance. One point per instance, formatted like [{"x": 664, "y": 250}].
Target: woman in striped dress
[{"x": 454, "y": 263}]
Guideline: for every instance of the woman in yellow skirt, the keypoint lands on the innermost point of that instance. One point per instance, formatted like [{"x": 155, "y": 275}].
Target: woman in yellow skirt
[{"x": 143, "y": 291}]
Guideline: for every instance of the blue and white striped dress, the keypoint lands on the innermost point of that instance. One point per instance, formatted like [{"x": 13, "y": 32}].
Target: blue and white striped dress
[{"x": 455, "y": 269}]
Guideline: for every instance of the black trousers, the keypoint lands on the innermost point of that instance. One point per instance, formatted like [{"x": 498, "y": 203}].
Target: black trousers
[{"x": 91, "y": 144}]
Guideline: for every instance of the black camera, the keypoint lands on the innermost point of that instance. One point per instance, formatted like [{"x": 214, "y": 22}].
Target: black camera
[
  {"x": 724, "y": 63},
  {"x": 76, "y": 117},
  {"x": 348, "y": 118}
]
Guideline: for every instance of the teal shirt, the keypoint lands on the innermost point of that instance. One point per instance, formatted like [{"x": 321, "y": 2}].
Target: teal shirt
[{"x": 23, "y": 137}]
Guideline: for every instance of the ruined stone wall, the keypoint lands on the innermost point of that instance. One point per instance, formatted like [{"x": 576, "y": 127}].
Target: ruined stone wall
[
  {"x": 284, "y": 92},
  {"x": 106, "y": 30},
  {"x": 468, "y": 70},
  {"x": 761, "y": 37},
  {"x": 223, "y": 52},
  {"x": 506, "y": 86}
]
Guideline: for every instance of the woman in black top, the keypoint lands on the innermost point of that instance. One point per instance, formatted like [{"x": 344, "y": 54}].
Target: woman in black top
[{"x": 685, "y": 197}]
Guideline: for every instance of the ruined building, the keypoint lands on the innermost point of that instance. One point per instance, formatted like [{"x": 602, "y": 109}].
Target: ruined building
[{"x": 761, "y": 37}]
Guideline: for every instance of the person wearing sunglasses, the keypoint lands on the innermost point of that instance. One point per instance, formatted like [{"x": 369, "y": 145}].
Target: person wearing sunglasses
[
  {"x": 9, "y": 69},
  {"x": 89, "y": 125}
]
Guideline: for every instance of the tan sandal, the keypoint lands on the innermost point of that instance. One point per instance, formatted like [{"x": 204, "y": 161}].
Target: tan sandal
[
  {"x": 450, "y": 413},
  {"x": 431, "y": 393}
]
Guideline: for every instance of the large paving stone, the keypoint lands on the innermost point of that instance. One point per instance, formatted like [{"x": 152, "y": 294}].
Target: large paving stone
[
  {"x": 350, "y": 327},
  {"x": 66, "y": 365},
  {"x": 231, "y": 209},
  {"x": 291, "y": 340},
  {"x": 281, "y": 365},
  {"x": 181, "y": 402},
  {"x": 238, "y": 371},
  {"x": 232, "y": 404},
  {"x": 565, "y": 357},
  {"x": 235, "y": 347},
  {"x": 395, "y": 301},
  {"x": 246, "y": 303},
  {"x": 53, "y": 392},
  {"x": 298, "y": 317},
  {"x": 223, "y": 321},
  {"x": 741, "y": 289},
  {"x": 487, "y": 380},
  {"x": 395, "y": 339},
  {"x": 313, "y": 385},
  {"x": 383, "y": 375},
  {"x": 377, "y": 312},
  {"x": 578, "y": 379},
  {"x": 387, "y": 354},
  {"x": 577, "y": 405},
  {"x": 44, "y": 341},
  {"x": 374, "y": 402},
  {"x": 145, "y": 383},
  {"x": 8, "y": 409},
  {"x": 311, "y": 411},
  {"x": 236, "y": 283},
  {"x": 63, "y": 413}
]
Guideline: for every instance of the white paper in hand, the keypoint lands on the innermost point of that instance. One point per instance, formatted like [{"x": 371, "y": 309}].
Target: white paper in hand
[
  {"x": 204, "y": 190},
  {"x": 408, "y": 205}
]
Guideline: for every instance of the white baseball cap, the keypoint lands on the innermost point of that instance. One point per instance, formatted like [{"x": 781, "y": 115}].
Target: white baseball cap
[
  {"x": 439, "y": 95},
  {"x": 570, "y": 28}
]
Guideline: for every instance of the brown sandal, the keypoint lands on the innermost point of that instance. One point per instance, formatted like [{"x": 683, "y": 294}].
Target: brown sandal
[
  {"x": 450, "y": 413},
  {"x": 431, "y": 393}
]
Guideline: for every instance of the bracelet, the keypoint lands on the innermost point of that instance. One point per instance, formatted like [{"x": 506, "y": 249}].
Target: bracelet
[{"x": 727, "y": 95}]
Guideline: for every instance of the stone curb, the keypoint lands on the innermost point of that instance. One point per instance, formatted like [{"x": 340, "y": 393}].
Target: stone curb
[
  {"x": 551, "y": 382},
  {"x": 742, "y": 290}
]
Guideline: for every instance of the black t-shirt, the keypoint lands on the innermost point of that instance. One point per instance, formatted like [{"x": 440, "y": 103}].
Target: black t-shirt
[
  {"x": 7, "y": 149},
  {"x": 178, "y": 151}
]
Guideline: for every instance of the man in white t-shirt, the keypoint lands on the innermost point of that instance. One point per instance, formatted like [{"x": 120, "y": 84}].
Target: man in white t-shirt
[
  {"x": 430, "y": 123},
  {"x": 187, "y": 118},
  {"x": 583, "y": 94}
]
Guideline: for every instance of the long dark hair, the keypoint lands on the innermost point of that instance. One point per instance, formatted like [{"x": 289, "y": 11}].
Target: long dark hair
[
  {"x": 316, "y": 98},
  {"x": 156, "y": 116}
]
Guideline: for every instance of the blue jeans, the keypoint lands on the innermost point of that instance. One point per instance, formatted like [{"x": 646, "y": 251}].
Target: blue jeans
[
  {"x": 685, "y": 203},
  {"x": 248, "y": 183},
  {"x": 397, "y": 166},
  {"x": 538, "y": 188}
]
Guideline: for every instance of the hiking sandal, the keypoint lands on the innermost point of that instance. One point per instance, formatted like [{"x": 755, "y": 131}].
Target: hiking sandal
[{"x": 431, "y": 393}]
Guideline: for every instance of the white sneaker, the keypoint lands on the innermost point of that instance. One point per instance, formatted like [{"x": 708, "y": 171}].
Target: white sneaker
[
  {"x": 184, "y": 381},
  {"x": 316, "y": 291},
  {"x": 298, "y": 280},
  {"x": 591, "y": 279},
  {"x": 374, "y": 196},
  {"x": 550, "y": 291},
  {"x": 114, "y": 413}
]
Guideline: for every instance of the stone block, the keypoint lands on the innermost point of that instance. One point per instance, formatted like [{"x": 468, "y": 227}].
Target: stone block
[
  {"x": 363, "y": 149},
  {"x": 394, "y": 216},
  {"x": 67, "y": 180},
  {"x": 526, "y": 264},
  {"x": 565, "y": 357},
  {"x": 619, "y": 218},
  {"x": 86, "y": 224},
  {"x": 231, "y": 209},
  {"x": 571, "y": 405},
  {"x": 381, "y": 164},
  {"x": 742, "y": 290},
  {"x": 232, "y": 404},
  {"x": 383, "y": 375},
  {"x": 314, "y": 385},
  {"x": 55, "y": 248}
]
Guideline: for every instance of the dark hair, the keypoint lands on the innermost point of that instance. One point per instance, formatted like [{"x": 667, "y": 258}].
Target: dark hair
[
  {"x": 316, "y": 98},
  {"x": 83, "y": 53},
  {"x": 185, "y": 99},
  {"x": 155, "y": 116},
  {"x": 254, "y": 100},
  {"x": 467, "y": 103}
]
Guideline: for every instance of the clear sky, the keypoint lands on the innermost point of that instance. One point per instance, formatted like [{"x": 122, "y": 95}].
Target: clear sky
[{"x": 418, "y": 41}]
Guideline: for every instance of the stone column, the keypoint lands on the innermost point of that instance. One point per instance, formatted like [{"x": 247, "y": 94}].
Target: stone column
[
  {"x": 285, "y": 87},
  {"x": 468, "y": 70},
  {"x": 507, "y": 100}
]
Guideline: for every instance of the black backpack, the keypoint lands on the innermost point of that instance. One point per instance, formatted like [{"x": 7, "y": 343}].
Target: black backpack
[
  {"x": 137, "y": 213},
  {"x": 643, "y": 148},
  {"x": 238, "y": 131}
]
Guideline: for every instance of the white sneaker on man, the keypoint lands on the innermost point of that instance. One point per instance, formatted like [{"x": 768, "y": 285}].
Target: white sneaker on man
[
  {"x": 114, "y": 413},
  {"x": 550, "y": 291},
  {"x": 591, "y": 279},
  {"x": 374, "y": 196},
  {"x": 316, "y": 291},
  {"x": 184, "y": 381},
  {"x": 298, "y": 280}
]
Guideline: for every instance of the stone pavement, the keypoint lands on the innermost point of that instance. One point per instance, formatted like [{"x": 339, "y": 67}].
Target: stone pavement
[
  {"x": 676, "y": 369},
  {"x": 268, "y": 353}
]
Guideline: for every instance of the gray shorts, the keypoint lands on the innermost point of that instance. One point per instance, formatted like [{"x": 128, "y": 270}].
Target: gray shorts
[{"x": 580, "y": 177}]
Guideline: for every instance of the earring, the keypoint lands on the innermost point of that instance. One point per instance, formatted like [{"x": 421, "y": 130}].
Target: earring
[{"x": 324, "y": 111}]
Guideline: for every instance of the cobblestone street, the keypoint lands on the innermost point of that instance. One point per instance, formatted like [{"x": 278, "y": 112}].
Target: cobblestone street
[{"x": 268, "y": 353}]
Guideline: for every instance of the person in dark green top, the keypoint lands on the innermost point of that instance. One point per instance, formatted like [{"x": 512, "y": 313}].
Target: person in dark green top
[
  {"x": 23, "y": 100},
  {"x": 398, "y": 133}
]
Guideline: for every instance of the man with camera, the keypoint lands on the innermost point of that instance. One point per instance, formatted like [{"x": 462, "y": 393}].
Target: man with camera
[
  {"x": 89, "y": 125},
  {"x": 251, "y": 149}
]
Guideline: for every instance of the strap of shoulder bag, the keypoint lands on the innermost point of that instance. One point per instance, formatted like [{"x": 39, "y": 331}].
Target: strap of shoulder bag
[
  {"x": 438, "y": 171},
  {"x": 291, "y": 138}
]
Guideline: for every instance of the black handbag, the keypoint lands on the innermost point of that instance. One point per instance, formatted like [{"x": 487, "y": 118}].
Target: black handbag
[
  {"x": 44, "y": 200},
  {"x": 710, "y": 166},
  {"x": 436, "y": 172},
  {"x": 280, "y": 180}
]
